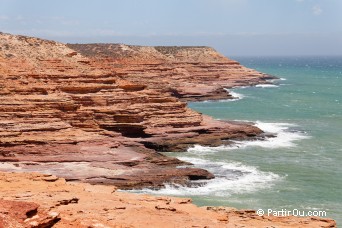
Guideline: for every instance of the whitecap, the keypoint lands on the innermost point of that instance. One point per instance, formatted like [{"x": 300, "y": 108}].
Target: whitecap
[
  {"x": 241, "y": 87},
  {"x": 220, "y": 100},
  {"x": 233, "y": 177},
  {"x": 236, "y": 96},
  {"x": 230, "y": 178},
  {"x": 277, "y": 79},
  {"x": 266, "y": 86},
  {"x": 284, "y": 136},
  {"x": 198, "y": 149}
]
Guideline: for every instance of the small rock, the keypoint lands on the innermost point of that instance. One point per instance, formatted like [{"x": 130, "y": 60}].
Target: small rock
[{"x": 158, "y": 207}]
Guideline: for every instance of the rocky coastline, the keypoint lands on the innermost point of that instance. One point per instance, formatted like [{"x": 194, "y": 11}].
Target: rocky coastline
[
  {"x": 100, "y": 114},
  {"x": 36, "y": 200}
]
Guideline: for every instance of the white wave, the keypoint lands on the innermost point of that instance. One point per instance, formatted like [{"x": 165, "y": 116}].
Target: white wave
[
  {"x": 204, "y": 150},
  {"x": 221, "y": 100},
  {"x": 277, "y": 79},
  {"x": 241, "y": 87},
  {"x": 266, "y": 86},
  {"x": 230, "y": 178},
  {"x": 236, "y": 95},
  {"x": 233, "y": 177},
  {"x": 284, "y": 137},
  {"x": 274, "y": 127}
]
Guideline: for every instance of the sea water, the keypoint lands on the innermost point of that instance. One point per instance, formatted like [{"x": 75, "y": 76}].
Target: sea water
[{"x": 301, "y": 167}]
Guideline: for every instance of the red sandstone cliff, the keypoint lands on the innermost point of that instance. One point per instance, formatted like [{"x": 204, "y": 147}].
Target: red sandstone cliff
[
  {"x": 97, "y": 114},
  {"x": 92, "y": 117},
  {"x": 189, "y": 73}
]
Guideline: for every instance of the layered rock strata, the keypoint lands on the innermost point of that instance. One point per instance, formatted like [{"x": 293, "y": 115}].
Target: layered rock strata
[
  {"x": 98, "y": 113},
  {"x": 189, "y": 73},
  {"x": 61, "y": 204}
]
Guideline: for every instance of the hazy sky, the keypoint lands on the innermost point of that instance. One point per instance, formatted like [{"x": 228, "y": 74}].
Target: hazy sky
[{"x": 234, "y": 27}]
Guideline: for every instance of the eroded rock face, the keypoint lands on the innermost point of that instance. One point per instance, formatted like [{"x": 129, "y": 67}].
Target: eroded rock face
[
  {"x": 99, "y": 116},
  {"x": 189, "y": 73},
  {"x": 63, "y": 204}
]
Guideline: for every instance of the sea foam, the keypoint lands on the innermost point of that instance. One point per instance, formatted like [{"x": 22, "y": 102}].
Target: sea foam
[
  {"x": 230, "y": 178},
  {"x": 233, "y": 177},
  {"x": 285, "y": 135},
  {"x": 267, "y": 86},
  {"x": 237, "y": 96}
]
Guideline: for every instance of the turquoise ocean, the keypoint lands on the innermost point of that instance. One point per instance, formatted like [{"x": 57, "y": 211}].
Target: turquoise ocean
[{"x": 301, "y": 168}]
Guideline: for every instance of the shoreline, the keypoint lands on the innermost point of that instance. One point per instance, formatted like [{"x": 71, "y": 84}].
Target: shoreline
[
  {"x": 101, "y": 113},
  {"x": 98, "y": 111},
  {"x": 58, "y": 203}
]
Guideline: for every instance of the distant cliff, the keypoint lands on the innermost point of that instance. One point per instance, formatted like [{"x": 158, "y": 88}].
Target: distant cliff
[{"x": 189, "y": 73}]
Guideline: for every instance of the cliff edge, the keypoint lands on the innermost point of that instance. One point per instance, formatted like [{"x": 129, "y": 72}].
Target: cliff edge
[
  {"x": 88, "y": 115},
  {"x": 190, "y": 73},
  {"x": 99, "y": 113}
]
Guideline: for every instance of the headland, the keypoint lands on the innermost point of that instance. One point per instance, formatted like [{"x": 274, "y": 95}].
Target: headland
[{"x": 100, "y": 114}]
